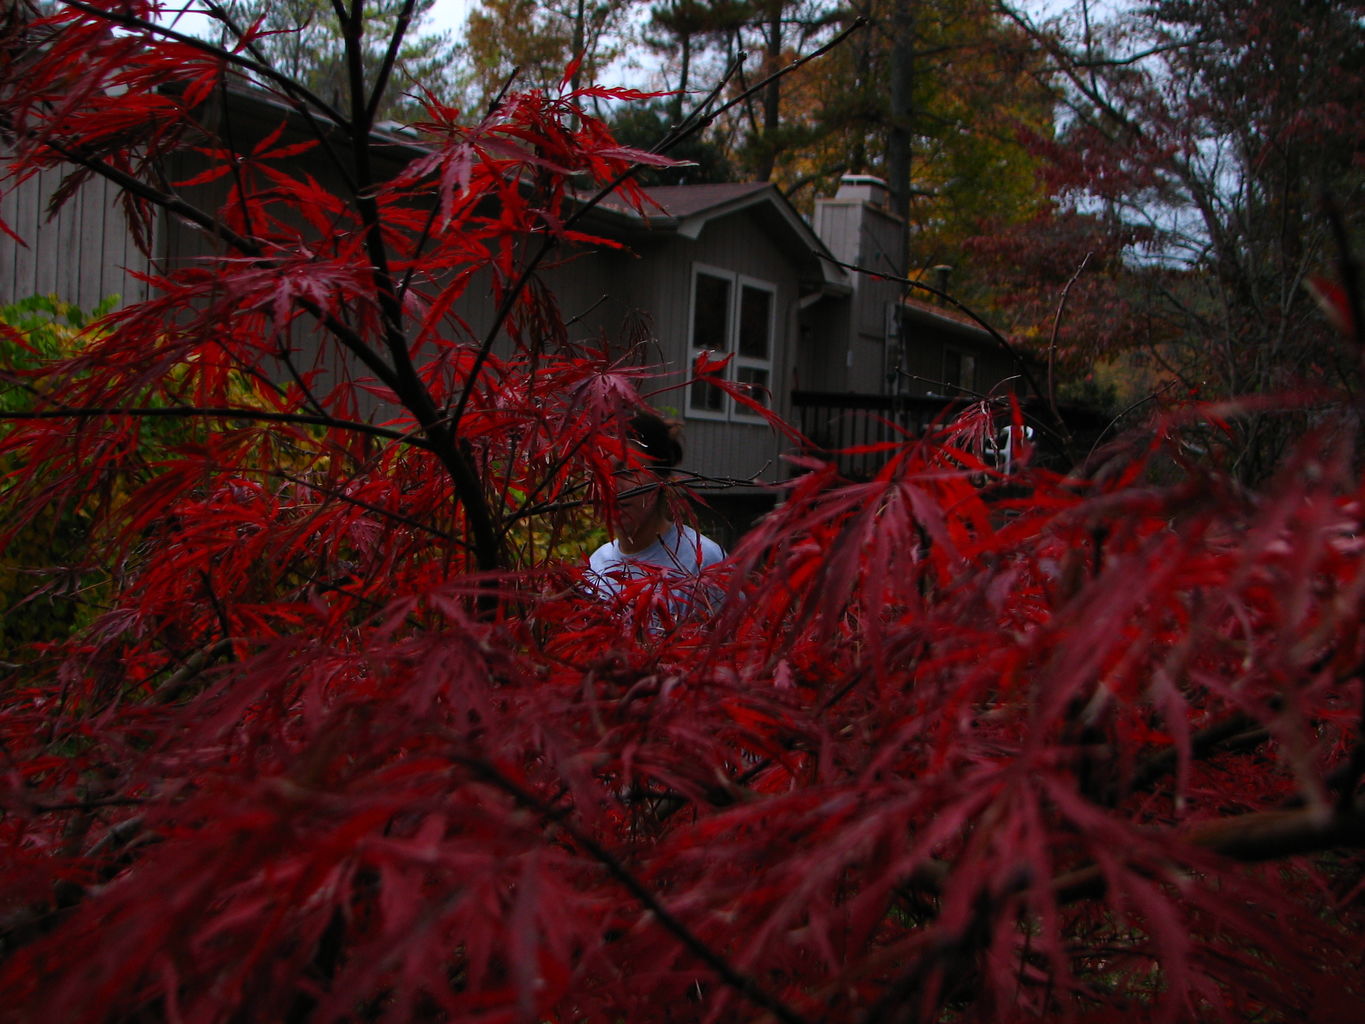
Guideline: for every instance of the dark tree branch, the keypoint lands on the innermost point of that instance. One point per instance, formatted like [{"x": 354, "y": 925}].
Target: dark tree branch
[
  {"x": 209, "y": 412},
  {"x": 1259, "y": 836},
  {"x": 390, "y": 58},
  {"x": 742, "y": 983},
  {"x": 288, "y": 85}
]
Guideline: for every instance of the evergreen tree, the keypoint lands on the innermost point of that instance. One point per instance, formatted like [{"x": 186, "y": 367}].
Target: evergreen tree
[
  {"x": 931, "y": 96},
  {"x": 304, "y": 40},
  {"x": 702, "y": 158},
  {"x": 685, "y": 29}
]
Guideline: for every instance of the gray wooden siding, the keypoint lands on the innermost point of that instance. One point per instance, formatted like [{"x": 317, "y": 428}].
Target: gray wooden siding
[
  {"x": 610, "y": 295},
  {"x": 822, "y": 351},
  {"x": 735, "y": 449},
  {"x": 81, "y": 255}
]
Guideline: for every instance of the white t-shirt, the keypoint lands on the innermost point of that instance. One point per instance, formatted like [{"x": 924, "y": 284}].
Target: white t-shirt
[{"x": 680, "y": 551}]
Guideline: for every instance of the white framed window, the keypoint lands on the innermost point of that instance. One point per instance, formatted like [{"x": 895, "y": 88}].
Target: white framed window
[{"x": 734, "y": 315}]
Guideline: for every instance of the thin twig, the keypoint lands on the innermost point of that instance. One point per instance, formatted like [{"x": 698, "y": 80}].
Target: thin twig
[{"x": 1056, "y": 329}]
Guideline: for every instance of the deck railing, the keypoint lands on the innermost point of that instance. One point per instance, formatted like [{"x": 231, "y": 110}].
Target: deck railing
[{"x": 835, "y": 422}]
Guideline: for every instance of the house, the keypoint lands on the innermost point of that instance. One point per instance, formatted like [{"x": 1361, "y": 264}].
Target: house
[
  {"x": 732, "y": 270},
  {"x": 813, "y": 314}
]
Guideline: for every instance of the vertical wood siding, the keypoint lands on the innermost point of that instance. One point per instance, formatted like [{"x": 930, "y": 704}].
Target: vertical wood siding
[
  {"x": 81, "y": 254},
  {"x": 737, "y": 450}
]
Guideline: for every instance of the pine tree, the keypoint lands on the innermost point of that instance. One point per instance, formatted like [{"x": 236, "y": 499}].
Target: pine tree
[{"x": 304, "y": 40}]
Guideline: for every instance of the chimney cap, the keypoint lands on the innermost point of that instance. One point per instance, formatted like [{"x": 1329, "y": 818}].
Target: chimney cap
[
  {"x": 866, "y": 187},
  {"x": 854, "y": 178}
]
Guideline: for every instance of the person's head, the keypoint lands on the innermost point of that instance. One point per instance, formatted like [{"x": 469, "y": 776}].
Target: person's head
[
  {"x": 658, "y": 439},
  {"x": 642, "y": 504}
]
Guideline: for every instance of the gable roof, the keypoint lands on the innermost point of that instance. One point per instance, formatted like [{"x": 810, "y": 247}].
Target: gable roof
[
  {"x": 704, "y": 202},
  {"x": 685, "y": 210}
]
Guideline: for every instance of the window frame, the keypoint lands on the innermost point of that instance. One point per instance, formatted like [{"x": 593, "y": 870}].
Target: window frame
[
  {"x": 737, "y": 283},
  {"x": 968, "y": 371}
]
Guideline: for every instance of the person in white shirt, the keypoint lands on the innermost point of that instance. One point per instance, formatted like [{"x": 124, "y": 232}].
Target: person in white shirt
[{"x": 648, "y": 542}]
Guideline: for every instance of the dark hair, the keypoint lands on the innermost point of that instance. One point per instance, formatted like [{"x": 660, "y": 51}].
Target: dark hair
[{"x": 658, "y": 439}]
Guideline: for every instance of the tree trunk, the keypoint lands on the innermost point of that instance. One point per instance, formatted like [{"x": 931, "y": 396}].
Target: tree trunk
[{"x": 898, "y": 154}]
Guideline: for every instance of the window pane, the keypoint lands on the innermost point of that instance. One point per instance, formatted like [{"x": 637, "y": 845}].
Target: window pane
[
  {"x": 952, "y": 368},
  {"x": 758, "y": 381},
  {"x": 755, "y": 317},
  {"x": 959, "y": 369},
  {"x": 707, "y": 397},
  {"x": 711, "y": 313}
]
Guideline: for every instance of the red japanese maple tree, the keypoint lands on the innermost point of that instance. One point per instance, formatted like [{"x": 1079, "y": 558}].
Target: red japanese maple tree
[{"x": 342, "y": 737}]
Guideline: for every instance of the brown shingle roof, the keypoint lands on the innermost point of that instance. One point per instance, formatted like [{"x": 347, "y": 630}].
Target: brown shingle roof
[
  {"x": 930, "y": 311},
  {"x": 689, "y": 200},
  {"x": 686, "y": 209}
]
